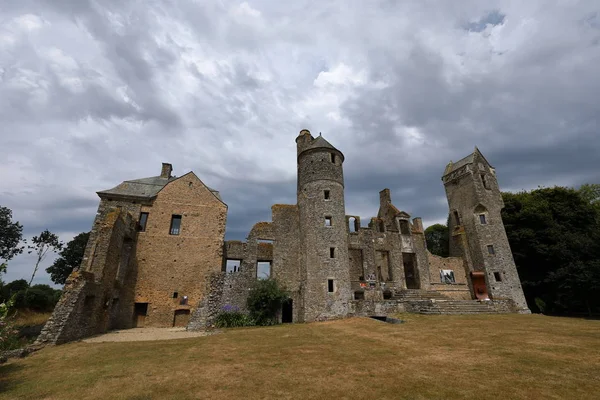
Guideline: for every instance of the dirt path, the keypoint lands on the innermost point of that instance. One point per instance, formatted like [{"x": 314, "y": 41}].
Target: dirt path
[{"x": 146, "y": 334}]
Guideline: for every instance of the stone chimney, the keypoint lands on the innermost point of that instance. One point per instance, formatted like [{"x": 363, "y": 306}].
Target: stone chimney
[
  {"x": 418, "y": 225},
  {"x": 166, "y": 170},
  {"x": 385, "y": 197}
]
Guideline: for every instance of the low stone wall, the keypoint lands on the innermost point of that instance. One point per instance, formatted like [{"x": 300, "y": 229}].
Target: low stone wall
[
  {"x": 367, "y": 308},
  {"x": 225, "y": 290}
]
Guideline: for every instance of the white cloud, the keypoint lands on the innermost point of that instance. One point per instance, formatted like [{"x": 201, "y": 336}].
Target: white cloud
[{"x": 93, "y": 93}]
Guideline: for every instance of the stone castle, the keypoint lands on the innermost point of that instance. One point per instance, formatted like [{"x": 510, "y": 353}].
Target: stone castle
[{"x": 157, "y": 254}]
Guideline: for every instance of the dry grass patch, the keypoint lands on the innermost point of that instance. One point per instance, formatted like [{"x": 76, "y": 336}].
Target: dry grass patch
[{"x": 429, "y": 357}]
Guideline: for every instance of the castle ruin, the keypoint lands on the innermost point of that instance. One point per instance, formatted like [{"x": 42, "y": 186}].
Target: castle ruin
[{"x": 157, "y": 254}]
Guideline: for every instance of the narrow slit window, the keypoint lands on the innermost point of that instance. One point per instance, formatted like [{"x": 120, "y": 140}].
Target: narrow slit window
[
  {"x": 491, "y": 250},
  {"x": 332, "y": 252},
  {"x": 328, "y": 221},
  {"x": 333, "y": 158},
  {"x": 497, "y": 276},
  {"x": 326, "y": 194},
  {"x": 143, "y": 221},
  {"x": 175, "y": 295},
  {"x": 482, "y": 219},
  {"x": 330, "y": 286},
  {"x": 456, "y": 218},
  {"x": 484, "y": 181},
  {"x": 175, "y": 225}
]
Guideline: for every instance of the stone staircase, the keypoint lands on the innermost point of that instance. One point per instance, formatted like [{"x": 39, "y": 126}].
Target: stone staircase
[{"x": 432, "y": 302}]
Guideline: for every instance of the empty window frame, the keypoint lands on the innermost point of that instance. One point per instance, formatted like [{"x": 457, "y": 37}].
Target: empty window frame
[
  {"x": 328, "y": 221},
  {"x": 381, "y": 225},
  {"x": 456, "y": 218},
  {"x": 484, "y": 180},
  {"x": 326, "y": 194},
  {"x": 404, "y": 227},
  {"x": 175, "y": 295},
  {"x": 482, "y": 219},
  {"x": 330, "y": 286},
  {"x": 183, "y": 301},
  {"x": 143, "y": 221},
  {"x": 332, "y": 252},
  {"x": 232, "y": 266},
  {"x": 263, "y": 269},
  {"x": 497, "y": 277},
  {"x": 447, "y": 276},
  {"x": 332, "y": 158},
  {"x": 490, "y": 249},
  {"x": 353, "y": 224},
  {"x": 175, "y": 225}
]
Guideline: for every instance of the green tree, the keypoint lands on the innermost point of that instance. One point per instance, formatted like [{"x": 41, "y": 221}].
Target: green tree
[
  {"x": 41, "y": 245},
  {"x": 10, "y": 289},
  {"x": 436, "y": 237},
  {"x": 69, "y": 258},
  {"x": 11, "y": 234},
  {"x": 265, "y": 300},
  {"x": 553, "y": 232}
]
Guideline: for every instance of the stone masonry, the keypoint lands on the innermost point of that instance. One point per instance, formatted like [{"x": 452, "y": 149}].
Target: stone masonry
[{"x": 157, "y": 254}]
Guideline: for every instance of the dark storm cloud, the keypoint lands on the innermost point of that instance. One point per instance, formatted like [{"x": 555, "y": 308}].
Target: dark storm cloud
[{"x": 94, "y": 93}]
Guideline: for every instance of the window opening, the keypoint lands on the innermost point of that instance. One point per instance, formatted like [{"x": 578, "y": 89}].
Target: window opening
[
  {"x": 404, "y": 227},
  {"x": 175, "y": 295},
  {"x": 328, "y": 221},
  {"x": 175, "y": 225},
  {"x": 491, "y": 249},
  {"x": 352, "y": 225},
  {"x": 497, "y": 277},
  {"x": 381, "y": 226},
  {"x": 183, "y": 301},
  {"x": 333, "y": 158},
  {"x": 484, "y": 181},
  {"x": 482, "y": 219},
  {"x": 326, "y": 194},
  {"x": 263, "y": 269},
  {"x": 330, "y": 285},
  {"x": 359, "y": 295},
  {"x": 143, "y": 221},
  {"x": 447, "y": 276},
  {"x": 456, "y": 218},
  {"x": 232, "y": 266},
  {"x": 332, "y": 252}
]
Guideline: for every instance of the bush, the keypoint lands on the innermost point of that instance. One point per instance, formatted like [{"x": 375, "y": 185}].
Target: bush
[
  {"x": 40, "y": 298},
  {"x": 233, "y": 319},
  {"x": 9, "y": 338},
  {"x": 265, "y": 300}
]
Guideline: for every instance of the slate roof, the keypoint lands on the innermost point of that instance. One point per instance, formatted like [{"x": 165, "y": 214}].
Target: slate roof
[
  {"x": 145, "y": 188},
  {"x": 453, "y": 166},
  {"x": 320, "y": 143}
]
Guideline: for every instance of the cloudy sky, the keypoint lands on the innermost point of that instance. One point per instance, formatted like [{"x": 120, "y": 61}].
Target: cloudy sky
[{"x": 96, "y": 92}]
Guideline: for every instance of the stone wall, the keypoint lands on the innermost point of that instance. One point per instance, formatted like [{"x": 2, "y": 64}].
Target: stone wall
[
  {"x": 459, "y": 290},
  {"x": 172, "y": 267}
]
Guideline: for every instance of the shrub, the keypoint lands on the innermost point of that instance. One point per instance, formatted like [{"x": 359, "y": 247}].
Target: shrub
[
  {"x": 232, "y": 319},
  {"x": 265, "y": 300},
  {"x": 40, "y": 298},
  {"x": 8, "y": 334}
]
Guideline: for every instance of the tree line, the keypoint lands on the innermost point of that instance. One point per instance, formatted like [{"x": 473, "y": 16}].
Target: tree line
[
  {"x": 554, "y": 235},
  {"x": 21, "y": 292}
]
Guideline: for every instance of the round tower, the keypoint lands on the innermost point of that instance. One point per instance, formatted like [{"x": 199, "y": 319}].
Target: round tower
[{"x": 324, "y": 239}]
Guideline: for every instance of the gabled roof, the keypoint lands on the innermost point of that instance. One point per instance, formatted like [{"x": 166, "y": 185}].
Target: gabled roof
[
  {"x": 320, "y": 142},
  {"x": 145, "y": 188},
  {"x": 451, "y": 167}
]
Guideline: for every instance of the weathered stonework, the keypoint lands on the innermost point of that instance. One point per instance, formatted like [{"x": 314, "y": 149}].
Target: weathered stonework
[
  {"x": 157, "y": 255},
  {"x": 143, "y": 272}
]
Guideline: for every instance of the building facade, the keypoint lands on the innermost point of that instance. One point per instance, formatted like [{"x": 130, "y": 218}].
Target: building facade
[{"x": 157, "y": 255}]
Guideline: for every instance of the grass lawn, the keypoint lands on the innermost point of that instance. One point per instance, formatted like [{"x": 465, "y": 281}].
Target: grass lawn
[{"x": 429, "y": 357}]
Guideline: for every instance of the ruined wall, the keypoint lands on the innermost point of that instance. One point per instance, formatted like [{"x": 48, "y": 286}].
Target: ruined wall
[
  {"x": 181, "y": 264},
  {"x": 459, "y": 290},
  {"x": 87, "y": 305},
  {"x": 286, "y": 254}
]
